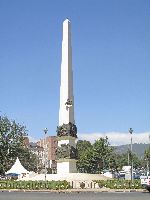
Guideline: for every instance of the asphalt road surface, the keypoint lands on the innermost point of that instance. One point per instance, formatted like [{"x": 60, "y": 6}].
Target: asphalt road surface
[{"x": 74, "y": 196}]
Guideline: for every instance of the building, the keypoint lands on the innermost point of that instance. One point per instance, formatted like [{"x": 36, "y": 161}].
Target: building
[
  {"x": 39, "y": 152},
  {"x": 49, "y": 144}
]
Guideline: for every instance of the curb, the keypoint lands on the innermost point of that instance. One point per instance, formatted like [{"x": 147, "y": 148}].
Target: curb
[{"x": 79, "y": 191}]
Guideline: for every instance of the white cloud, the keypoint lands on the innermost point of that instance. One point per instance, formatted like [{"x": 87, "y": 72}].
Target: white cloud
[{"x": 116, "y": 138}]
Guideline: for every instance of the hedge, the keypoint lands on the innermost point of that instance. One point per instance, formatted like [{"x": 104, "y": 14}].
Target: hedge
[
  {"x": 56, "y": 185},
  {"x": 120, "y": 184},
  {"x": 34, "y": 185}
]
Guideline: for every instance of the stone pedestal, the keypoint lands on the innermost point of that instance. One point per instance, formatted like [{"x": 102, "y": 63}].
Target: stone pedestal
[
  {"x": 66, "y": 155},
  {"x": 66, "y": 166}
]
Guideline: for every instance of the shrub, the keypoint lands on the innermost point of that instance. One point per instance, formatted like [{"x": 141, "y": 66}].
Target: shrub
[
  {"x": 82, "y": 185},
  {"x": 34, "y": 185},
  {"x": 119, "y": 184}
]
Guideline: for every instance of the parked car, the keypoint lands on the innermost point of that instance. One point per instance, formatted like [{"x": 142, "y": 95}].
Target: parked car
[
  {"x": 145, "y": 182},
  {"x": 3, "y": 177},
  {"x": 12, "y": 176}
]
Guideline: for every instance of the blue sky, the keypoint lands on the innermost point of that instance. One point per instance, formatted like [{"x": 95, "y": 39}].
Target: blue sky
[{"x": 111, "y": 47}]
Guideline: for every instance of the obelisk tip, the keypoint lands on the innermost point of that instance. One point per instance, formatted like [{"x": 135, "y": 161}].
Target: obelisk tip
[{"x": 67, "y": 20}]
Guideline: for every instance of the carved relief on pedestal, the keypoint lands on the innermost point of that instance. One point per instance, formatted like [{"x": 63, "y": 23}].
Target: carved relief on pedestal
[
  {"x": 66, "y": 151},
  {"x": 67, "y": 130}
]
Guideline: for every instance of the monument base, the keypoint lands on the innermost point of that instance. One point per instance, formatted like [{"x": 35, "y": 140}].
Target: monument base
[
  {"x": 75, "y": 179},
  {"x": 66, "y": 166}
]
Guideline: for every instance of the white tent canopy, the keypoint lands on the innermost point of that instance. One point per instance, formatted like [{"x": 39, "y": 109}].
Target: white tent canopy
[{"x": 17, "y": 168}]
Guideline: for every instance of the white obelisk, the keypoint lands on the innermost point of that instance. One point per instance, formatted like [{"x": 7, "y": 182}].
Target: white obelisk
[
  {"x": 66, "y": 164},
  {"x": 66, "y": 88}
]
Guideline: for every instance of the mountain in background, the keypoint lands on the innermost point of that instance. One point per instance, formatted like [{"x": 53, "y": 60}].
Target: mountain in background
[{"x": 137, "y": 148}]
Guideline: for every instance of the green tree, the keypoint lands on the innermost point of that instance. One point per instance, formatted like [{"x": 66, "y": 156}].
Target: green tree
[
  {"x": 147, "y": 153},
  {"x": 103, "y": 154},
  {"x": 94, "y": 158},
  {"x": 84, "y": 156},
  {"x": 82, "y": 145},
  {"x": 137, "y": 162},
  {"x": 12, "y": 145},
  {"x": 28, "y": 159},
  {"x": 112, "y": 165},
  {"x": 147, "y": 158},
  {"x": 122, "y": 160}
]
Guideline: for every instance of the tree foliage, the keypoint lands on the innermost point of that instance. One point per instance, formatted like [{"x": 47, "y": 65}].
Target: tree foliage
[
  {"x": 147, "y": 157},
  {"x": 93, "y": 158},
  {"x": 12, "y": 145},
  {"x": 99, "y": 156},
  {"x": 86, "y": 162},
  {"x": 103, "y": 153},
  {"x": 122, "y": 160},
  {"x": 147, "y": 153}
]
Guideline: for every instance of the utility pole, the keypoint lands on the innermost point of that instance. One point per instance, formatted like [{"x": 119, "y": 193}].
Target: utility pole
[
  {"x": 128, "y": 155},
  {"x": 45, "y": 153},
  {"x": 131, "y": 157},
  {"x": 147, "y": 157}
]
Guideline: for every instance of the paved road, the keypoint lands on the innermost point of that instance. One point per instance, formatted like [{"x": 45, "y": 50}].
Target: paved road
[{"x": 73, "y": 196}]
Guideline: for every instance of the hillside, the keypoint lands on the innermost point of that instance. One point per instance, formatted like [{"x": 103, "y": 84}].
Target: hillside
[{"x": 137, "y": 148}]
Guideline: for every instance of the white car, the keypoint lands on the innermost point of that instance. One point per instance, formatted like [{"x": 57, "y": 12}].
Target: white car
[{"x": 145, "y": 182}]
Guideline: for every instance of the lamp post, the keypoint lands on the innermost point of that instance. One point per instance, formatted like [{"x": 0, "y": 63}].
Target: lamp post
[
  {"x": 128, "y": 155},
  {"x": 147, "y": 158},
  {"x": 45, "y": 133},
  {"x": 147, "y": 163},
  {"x": 131, "y": 157}
]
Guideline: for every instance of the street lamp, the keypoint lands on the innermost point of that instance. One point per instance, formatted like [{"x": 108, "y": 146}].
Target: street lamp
[
  {"x": 128, "y": 154},
  {"x": 147, "y": 158},
  {"x": 131, "y": 131},
  {"x": 45, "y": 133},
  {"x": 147, "y": 162}
]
